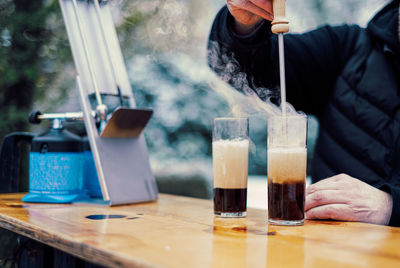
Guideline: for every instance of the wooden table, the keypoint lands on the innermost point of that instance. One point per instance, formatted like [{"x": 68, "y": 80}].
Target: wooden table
[{"x": 182, "y": 232}]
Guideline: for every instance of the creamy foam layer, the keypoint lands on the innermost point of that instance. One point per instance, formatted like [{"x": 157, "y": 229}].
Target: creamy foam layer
[
  {"x": 230, "y": 163},
  {"x": 287, "y": 165}
]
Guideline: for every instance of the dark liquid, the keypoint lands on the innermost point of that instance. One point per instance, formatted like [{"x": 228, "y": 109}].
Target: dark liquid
[
  {"x": 230, "y": 200},
  {"x": 286, "y": 201}
]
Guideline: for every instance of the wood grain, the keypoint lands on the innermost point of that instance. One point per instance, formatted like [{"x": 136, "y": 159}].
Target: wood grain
[{"x": 182, "y": 232}]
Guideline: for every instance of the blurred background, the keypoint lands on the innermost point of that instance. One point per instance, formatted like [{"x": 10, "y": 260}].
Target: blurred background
[{"x": 164, "y": 47}]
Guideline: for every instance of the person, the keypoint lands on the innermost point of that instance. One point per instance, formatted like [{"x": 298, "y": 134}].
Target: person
[{"x": 348, "y": 77}]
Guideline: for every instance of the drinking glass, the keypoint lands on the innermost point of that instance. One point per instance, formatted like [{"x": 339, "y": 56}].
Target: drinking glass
[
  {"x": 230, "y": 154},
  {"x": 287, "y": 161}
]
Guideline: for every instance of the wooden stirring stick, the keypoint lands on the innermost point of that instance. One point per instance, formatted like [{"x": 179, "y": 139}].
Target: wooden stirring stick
[{"x": 280, "y": 24}]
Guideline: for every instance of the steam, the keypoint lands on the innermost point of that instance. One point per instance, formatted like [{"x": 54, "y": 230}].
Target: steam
[{"x": 252, "y": 101}]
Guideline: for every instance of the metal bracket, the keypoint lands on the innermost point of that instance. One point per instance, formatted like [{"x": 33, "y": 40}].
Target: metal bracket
[{"x": 120, "y": 151}]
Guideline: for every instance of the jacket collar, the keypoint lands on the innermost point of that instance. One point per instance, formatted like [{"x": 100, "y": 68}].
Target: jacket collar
[{"x": 385, "y": 28}]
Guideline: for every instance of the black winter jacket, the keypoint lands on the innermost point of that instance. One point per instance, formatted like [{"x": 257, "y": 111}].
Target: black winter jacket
[{"x": 347, "y": 76}]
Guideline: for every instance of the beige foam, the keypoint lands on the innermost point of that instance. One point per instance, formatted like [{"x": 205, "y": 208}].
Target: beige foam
[
  {"x": 287, "y": 164},
  {"x": 230, "y": 163}
]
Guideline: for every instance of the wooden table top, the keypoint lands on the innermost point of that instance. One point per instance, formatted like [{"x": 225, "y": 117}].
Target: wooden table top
[{"x": 179, "y": 231}]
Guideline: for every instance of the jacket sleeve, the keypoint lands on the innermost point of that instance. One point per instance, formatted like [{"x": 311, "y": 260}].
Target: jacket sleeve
[{"x": 313, "y": 60}]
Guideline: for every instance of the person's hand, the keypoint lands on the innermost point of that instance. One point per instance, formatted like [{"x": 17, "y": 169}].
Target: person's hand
[
  {"x": 249, "y": 13},
  {"x": 345, "y": 198}
]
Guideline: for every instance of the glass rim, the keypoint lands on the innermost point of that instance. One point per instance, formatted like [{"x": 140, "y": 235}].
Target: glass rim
[
  {"x": 302, "y": 115},
  {"x": 231, "y": 118}
]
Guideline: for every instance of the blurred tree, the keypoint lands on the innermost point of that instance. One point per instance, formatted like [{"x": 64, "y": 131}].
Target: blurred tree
[
  {"x": 35, "y": 60},
  {"x": 22, "y": 35}
]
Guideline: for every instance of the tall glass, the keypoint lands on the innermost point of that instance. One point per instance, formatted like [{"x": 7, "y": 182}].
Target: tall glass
[
  {"x": 287, "y": 161},
  {"x": 230, "y": 149}
]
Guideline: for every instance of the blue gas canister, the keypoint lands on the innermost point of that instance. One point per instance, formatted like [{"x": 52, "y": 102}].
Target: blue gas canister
[
  {"x": 90, "y": 179},
  {"x": 56, "y": 165}
]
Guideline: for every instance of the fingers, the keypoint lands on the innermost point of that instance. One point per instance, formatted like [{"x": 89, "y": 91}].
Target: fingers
[
  {"x": 264, "y": 4},
  {"x": 324, "y": 197},
  {"x": 331, "y": 183},
  {"x": 259, "y": 11},
  {"x": 343, "y": 197},
  {"x": 341, "y": 212},
  {"x": 261, "y": 8}
]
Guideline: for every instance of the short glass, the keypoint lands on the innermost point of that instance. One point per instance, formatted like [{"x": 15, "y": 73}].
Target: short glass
[
  {"x": 230, "y": 150},
  {"x": 287, "y": 162}
]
